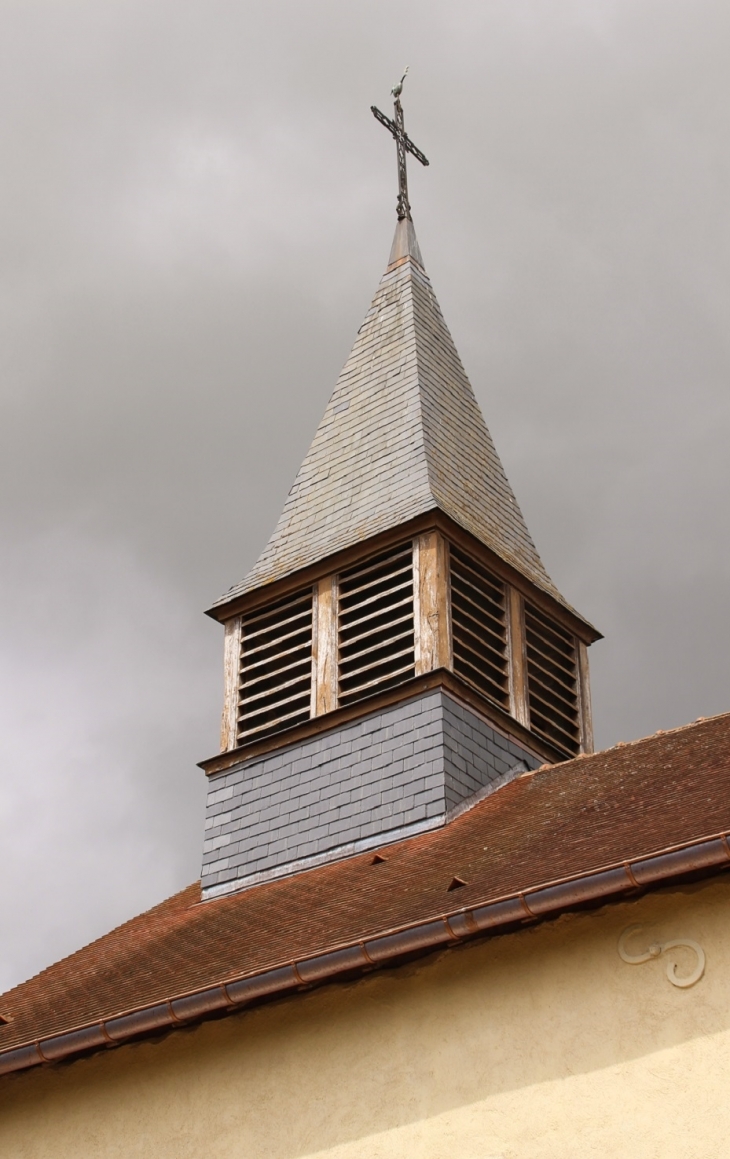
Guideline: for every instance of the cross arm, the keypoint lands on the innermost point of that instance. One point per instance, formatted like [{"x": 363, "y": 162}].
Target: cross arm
[
  {"x": 391, "y": 125},
  {"x": 399, "y": 134},
  {"x": 414, "y": 150}
]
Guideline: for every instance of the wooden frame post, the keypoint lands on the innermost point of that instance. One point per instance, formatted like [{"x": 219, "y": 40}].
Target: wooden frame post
[
  {"x": 231, "y": 675},
  {"x": 431, "y": 603},
  {"x": 324, "y": 646},
  {"x": 584, "y": 699},
  {"x": 519, "y": 704}
]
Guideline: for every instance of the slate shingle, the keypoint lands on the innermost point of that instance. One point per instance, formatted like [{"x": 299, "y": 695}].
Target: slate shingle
[{"x": 402, "y": 435}]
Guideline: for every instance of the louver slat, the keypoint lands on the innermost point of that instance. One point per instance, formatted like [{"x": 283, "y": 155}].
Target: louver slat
[
  {"x": 479, "y": 629},
  {"x": 376, "y": 633},
  {"x": 276, "y": 667},
  {"x": 552, "y": 680}
]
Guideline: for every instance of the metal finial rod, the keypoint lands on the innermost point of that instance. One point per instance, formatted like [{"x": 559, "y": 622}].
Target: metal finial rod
[{"x": 403, "y": 144}]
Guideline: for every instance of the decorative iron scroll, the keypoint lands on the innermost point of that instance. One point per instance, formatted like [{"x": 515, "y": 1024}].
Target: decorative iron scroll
[{"x": 656, "y": 949}]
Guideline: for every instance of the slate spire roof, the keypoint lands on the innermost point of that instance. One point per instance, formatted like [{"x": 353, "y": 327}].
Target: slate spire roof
[{"x": 402, "y": 435}]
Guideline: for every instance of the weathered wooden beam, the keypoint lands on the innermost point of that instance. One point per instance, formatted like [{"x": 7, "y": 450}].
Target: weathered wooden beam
[
  {"x": 324, "y": 646},
  {"x": 518, "y": 693},
  {"x": 431, "y": 603},
  {"x": 584, "y": 699},
  {"x": 441, "y": 678},
  {"x": 431, "y": 519},
  {"x": 231, "y": 675}
]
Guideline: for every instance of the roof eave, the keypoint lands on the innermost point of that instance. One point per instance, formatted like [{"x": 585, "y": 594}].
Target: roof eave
[
  {"x": 615, "y": 882},
  {"x": 224, "y": 609}
]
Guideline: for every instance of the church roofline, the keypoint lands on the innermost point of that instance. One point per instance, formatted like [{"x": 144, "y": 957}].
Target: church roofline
[
  {"x": 678, "y": 826},
  {"x": 546, "y": 901}
]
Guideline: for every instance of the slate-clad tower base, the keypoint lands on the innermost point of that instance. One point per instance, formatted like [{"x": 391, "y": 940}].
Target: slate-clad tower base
[{"x": 388, "y": 775}]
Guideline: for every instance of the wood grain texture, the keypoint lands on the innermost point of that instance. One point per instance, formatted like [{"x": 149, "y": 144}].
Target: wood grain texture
[
  {"x": 584, "y": 699},
  {"x": 518, "y": 696},
  {"x": 431, "y": 603},
  {"x": 231, "y": 672},
  {"x": 324, "y": 646}
]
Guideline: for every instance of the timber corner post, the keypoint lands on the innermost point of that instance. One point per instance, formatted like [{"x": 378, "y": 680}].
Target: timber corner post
[
  {"x": 324, "y": 646},
  {"x": 231, "y": 666},
  {"x": 584, "y": 695},
  {"x": 518, "y": 691},
  {"x": 432, "y": 614}
]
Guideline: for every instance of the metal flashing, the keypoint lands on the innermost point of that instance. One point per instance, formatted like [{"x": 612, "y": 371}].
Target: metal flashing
[{"x": 338, "y": 853}]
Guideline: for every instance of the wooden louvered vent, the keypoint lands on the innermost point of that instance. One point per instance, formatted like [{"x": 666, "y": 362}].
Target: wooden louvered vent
[
  {"x": 376, "y": 633},
  {"x": 276, "y": 667},
  {"x": 552, "y": 681},
  {"x": 479, "y": 628}
]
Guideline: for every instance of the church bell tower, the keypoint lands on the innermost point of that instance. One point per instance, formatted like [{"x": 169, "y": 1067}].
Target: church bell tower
[{"x": 398, "y": 647}]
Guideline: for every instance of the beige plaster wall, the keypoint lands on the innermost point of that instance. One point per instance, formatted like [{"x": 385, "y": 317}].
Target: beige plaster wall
[{"x": 538, "y": 1045}]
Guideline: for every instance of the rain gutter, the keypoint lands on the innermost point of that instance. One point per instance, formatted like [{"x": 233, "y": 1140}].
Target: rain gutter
[{"x": 540, "y": 902}]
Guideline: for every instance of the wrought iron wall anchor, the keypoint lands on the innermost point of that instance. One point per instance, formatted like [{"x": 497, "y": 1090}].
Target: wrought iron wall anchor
[
  {"x": 403, "y": 145},
  {"x": 656, "y": 949}
]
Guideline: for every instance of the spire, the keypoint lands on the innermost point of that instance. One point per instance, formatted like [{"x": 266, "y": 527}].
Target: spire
[{"x": 402, "y": 435}]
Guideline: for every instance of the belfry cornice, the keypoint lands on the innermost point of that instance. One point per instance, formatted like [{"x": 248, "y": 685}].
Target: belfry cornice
[{"x": 436, "y": 520}]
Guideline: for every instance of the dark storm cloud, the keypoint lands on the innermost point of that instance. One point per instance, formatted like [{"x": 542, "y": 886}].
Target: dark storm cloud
[{"x": 196, "y": 208}]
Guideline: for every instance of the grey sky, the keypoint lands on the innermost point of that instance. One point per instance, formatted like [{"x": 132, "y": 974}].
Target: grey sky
[{"x": 195, "y": 211}]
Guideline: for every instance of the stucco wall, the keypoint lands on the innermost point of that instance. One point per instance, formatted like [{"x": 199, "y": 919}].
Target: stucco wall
[{"x": 537, "y": 1045}]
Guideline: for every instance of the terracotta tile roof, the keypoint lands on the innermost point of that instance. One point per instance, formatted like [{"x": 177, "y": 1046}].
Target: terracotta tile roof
[
  {"x": 565, "y": 820},
  {"x": 402, "y": 435}
]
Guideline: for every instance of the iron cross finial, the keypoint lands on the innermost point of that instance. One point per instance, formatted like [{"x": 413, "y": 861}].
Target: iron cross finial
[{"x": 403, "y": 145}]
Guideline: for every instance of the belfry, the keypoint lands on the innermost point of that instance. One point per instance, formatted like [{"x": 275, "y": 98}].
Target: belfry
[{"x": 398, "y": 649}]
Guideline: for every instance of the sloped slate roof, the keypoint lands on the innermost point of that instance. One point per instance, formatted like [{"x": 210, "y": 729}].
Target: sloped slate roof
[
  {"x": 402, "y": 435},
  {"x": 565, "y": 820}
]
